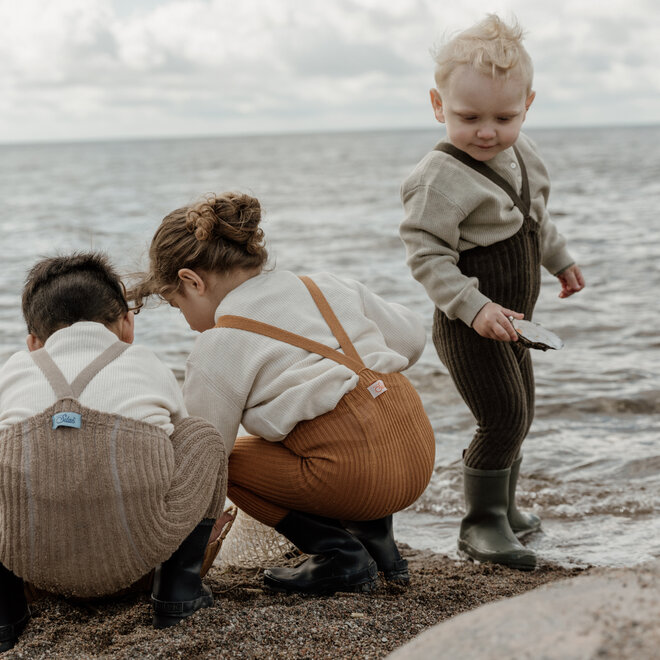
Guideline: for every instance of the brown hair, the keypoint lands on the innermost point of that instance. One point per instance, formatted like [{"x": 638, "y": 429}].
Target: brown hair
[
  {"x": 60, "y": 291},
  {"x": 218, "y": 234},
  {"x": 490, "y": 46}
]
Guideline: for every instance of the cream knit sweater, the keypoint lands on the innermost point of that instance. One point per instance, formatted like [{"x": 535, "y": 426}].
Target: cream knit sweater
[
  {"x": 450, "y": 208},
  {"x": 234, "y": 376},
  {"x": 136, "y": 384}
]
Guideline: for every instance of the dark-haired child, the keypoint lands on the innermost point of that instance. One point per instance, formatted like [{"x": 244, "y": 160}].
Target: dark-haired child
[{"x": 94, "y": 488}]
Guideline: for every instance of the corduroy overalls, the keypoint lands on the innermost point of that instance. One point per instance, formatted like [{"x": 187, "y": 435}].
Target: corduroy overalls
[
  {"x": 495, "y": 378},
  {"x": 369, "y": 457}
]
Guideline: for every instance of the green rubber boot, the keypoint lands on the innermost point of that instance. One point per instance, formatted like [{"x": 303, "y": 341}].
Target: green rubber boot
[
  {"x": 522, "y": 523},
  {"x": 485, "y": 534}
]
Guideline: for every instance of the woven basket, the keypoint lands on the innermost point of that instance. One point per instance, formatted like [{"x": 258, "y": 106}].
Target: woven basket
[{"x": 251, "y": 544}]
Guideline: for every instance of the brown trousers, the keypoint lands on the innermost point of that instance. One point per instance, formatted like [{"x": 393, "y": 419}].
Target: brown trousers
[
  {"x": 495, "y": 379},
  {"x": 366, "y": 459}
]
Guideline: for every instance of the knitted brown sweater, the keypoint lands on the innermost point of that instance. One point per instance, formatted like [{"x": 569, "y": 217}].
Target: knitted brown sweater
[{"x": 87, "y": 511}]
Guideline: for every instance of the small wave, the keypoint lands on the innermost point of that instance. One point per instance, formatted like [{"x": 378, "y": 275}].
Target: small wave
[
  {"x": 640, "y": 468},
  {"x": 641, "y": 403}
]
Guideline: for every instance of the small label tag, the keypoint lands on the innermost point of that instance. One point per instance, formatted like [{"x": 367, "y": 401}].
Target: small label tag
[
  {"x": 71, "y": 419},
  {"x": 377, "y": 388}
]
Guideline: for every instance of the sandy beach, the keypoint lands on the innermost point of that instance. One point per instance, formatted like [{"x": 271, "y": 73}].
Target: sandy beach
[{"x": 246, "y": 622}]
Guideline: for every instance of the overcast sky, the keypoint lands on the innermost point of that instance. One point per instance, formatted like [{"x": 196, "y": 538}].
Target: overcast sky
[{"x": 84, "y": 69}]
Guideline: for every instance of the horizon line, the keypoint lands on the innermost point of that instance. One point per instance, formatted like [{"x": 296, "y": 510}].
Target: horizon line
[{"x": 288, "y": 133}]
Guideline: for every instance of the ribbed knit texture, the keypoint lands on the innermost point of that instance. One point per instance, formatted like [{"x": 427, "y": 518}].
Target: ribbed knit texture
[
  {"x": 366, "y": 459},
  {"x": 88, "y": 511},
  {"x": 495, "y": 378}
]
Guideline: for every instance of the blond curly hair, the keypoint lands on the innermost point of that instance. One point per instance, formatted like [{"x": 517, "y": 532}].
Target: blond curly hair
[{"x": 491, "y": 47}]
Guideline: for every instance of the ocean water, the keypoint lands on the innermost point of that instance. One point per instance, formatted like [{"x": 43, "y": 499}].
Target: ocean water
[{"x": 331, "y": 201}]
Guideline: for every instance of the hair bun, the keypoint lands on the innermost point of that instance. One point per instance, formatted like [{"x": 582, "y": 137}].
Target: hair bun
[{"x": 230, "y": 216}]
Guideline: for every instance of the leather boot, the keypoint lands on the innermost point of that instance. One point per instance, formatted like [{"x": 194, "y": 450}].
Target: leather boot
[
  {"x": 521, "y": 523},
  {"x": 485, "y": 533},
  {"x": 178, "y": 590},
  {"x": 14, "y": 610},
  {"x": 337, "y": 561},
  {"x": 378, "y": 538}
]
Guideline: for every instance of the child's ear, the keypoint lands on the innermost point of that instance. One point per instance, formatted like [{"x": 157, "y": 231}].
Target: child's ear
[
  {"x": 191, "y": 280},
  {"x": 33, "y": 343},
  {"x": 126, "y": 330},
  {"x": 529, "y": 100},
  {"x": 436, "y": 102}
]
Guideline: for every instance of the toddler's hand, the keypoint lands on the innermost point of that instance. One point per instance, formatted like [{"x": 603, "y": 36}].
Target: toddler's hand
[
  {"x": 492, "y": 322},
  {"x": 571, "y": 281}
]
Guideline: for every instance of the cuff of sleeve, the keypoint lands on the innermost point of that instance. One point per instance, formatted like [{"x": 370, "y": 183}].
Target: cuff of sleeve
[
  {"x": 558, "y": 261},
  {"x": 470, "y": 307}
]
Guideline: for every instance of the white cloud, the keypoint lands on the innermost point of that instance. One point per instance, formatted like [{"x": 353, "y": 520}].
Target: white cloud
[{"x": 96, "y": 68}]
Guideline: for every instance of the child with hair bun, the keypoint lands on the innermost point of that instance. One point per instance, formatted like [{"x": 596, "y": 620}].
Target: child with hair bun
[
  {"x": 103, "y": 475},
  {"x": 311, "y": 367},
  {"x": 476, "y": 232}
]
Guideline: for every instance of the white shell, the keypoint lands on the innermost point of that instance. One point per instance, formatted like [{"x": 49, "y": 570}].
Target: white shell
[{"x": 536, "y": 334}]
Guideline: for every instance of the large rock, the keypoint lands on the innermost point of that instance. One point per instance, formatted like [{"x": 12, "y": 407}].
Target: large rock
[{"x": 610, "y": 613}]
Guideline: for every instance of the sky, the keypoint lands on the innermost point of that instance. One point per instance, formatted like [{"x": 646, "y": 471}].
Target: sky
[{"x": 108, "y": 69}]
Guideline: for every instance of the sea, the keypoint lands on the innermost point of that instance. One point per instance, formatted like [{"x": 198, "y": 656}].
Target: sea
[{"x": 591, "y": 467}]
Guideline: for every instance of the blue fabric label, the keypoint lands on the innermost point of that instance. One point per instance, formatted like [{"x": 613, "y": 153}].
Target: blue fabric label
[{"x": 67, "y": 419}]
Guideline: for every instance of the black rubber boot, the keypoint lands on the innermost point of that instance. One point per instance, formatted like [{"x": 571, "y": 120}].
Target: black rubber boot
[
  {"x": 521, "y": 523},
  {"x": 378, "y": 538},
  {"x": 337, "y": 561},
  {"x": 178, "y": 590},
  {"x": 14, "y": 610},
  {"x": 485, "y": 531}
]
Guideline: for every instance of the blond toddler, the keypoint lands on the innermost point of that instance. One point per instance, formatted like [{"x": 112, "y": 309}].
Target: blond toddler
[{"x": 476, "y": 232}]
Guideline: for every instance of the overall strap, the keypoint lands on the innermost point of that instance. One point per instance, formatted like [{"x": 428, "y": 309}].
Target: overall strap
[
  {"x": 99, "y": 362},
  {"x": 331, "y": 319},
  {"x": 250, "y": 325},
  {"x": 477, "y": 165},
  {"x": 53, "y": 373},
  {"x": 57, "y": 380}
]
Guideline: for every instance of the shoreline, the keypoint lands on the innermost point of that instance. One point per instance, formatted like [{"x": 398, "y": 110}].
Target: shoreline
[{"x": 247, "y": 622}]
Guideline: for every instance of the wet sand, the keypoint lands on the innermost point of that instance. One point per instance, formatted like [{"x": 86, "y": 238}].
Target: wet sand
[{"x": 246, "y": 622}]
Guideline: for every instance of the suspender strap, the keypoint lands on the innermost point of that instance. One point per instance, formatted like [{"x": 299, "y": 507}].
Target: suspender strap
[
  {"x": 349, "y": 358},
  {"x": 85, "y": 376},
  {"x": 57, "y": 380},
  {"x": 53, "y": 373},
  {"x": 250, "y": 325},
  {"x": 331, "y": 319},
  {"x": 477, "y": 165}
]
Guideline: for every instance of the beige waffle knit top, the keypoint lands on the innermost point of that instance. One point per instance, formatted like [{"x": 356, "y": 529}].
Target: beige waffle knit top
[
  {"x": 235, "y": 377},
  {"x": 450, "y": 208},
  {"x": 137, "y": 384}
]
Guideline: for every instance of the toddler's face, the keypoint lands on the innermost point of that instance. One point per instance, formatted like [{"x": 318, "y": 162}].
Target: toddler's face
[{"x": 483, "y": 115}]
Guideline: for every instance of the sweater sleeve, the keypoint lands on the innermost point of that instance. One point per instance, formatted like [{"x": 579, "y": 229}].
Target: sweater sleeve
[
  {"x": 206, "y": 397},
  {"x": 554, "y": 254},
  {"x": 402, "y": 329},
  {"x": 430, "y": 232}
]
